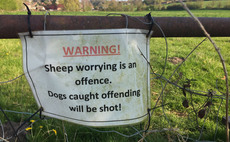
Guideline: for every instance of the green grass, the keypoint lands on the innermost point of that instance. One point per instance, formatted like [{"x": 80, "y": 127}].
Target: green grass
[
  {"x": 180, "y": 13},
  {"x": 203, "y": 65},
  {"x": 214, "y": 4},
  {"x": 203, "y": 5}
]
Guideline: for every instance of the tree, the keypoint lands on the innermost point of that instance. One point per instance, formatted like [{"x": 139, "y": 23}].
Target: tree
[
  {"x": 10, "y": 4},
  {"x": 157, "y": 5},
  {"x": 101, "y": 5},
  {"x": 61, "y": 1},
  {"x": 138, "y": 4},
  {"x": 53, "y": 2},
  {"x": 112, "y": 5},
  {"x": 149, "y": 2},
  {"x": 86, "y": 5},
  {"x": 97, "y": 4},
  {"x": 72, "y": 5}
]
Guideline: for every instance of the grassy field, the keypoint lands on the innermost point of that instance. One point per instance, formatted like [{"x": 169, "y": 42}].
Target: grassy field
[
  {"x": 212, "y": 4},
  {"x": 203, "y": 66},
  {"x": 179, "y": 13}
]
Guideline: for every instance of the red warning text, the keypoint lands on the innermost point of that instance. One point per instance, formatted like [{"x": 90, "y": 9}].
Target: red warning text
[{"x": 80, "y": 51}]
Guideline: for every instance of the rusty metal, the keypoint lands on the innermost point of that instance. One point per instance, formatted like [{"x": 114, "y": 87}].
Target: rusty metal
[{"x": 11, "y": 25}]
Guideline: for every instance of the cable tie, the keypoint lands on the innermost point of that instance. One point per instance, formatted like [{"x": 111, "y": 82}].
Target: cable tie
[{"x": 29, "y": 25}]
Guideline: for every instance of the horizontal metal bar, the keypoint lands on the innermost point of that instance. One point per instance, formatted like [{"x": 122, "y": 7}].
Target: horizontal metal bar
[{"x": 11, "y": 25}]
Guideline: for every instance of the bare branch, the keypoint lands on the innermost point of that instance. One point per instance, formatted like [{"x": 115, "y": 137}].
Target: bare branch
[{"x": 222, "y": 61}]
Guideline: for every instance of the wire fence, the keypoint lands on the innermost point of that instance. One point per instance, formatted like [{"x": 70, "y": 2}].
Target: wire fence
[{"x": 199, "y": 114}]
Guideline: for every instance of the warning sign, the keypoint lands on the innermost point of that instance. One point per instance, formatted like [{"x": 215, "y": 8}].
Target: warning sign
[{"x": 89, "y": 77}]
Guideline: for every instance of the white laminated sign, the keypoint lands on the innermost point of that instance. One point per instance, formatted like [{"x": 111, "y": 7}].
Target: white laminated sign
[{"x": 89, "y": 77}]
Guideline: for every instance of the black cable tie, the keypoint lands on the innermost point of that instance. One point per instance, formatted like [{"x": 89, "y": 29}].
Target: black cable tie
[
  {"x": 29, "y": 25},
  {"x": 40, "y": 114},
  {"x": 149, "y": 121},
  {"x": 27, "y": 120},
  {"x": 150, "y": 18}
]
